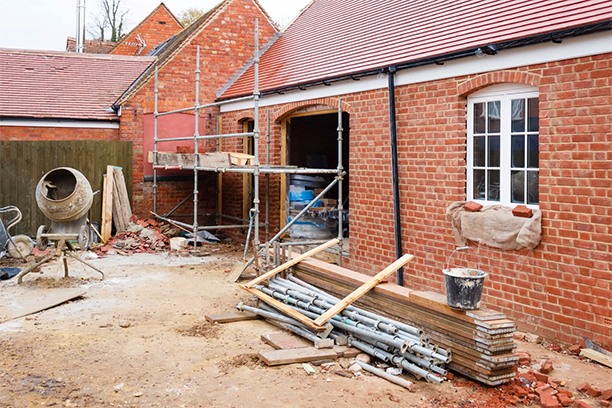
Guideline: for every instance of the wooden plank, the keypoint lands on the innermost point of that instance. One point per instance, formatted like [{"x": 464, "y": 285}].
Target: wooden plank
[
  {"x": 240, "y": 159},
  {"x": 283, "y": 341},
  {"x": 187, "y": 160},
  {"x": 44, "y": 301},
  {"x": 284, "y": 308},
  {"x": 290, "y": 356},
  {"x": 122, "y": 211},
  {"x": 363, "y": 289},
  {"x": 107, "y": 205},
  {"x": 230, "y": 317},
  {"x": 290, "y": 263},
  {"x": 597, "y": 356},
  {"x": 346, "y": 351}
]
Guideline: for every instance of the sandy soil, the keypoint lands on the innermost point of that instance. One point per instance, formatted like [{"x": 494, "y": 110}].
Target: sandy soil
[{"x": 167, "y": 355}]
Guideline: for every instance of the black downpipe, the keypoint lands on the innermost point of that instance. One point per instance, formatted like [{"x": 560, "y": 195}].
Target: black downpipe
[{"x": 394, "y": 167}]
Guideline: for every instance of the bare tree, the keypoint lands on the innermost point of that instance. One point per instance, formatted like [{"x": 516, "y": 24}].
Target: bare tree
[{"x": 110, "y": 17}]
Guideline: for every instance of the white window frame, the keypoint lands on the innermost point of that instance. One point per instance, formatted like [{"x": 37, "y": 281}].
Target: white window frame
[{"x": 504, "y": 93}]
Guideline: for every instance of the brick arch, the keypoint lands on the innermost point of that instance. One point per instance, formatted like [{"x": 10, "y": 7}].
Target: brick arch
[
  {"x": 498, "y": 77},
  {"x": 288, "y": 109}
]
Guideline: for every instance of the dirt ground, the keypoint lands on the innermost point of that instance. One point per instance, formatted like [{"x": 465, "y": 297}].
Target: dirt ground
[{"x": 140, "y": 339}]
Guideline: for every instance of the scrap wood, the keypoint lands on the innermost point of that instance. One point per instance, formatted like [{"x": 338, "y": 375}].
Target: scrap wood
[
  {"x": 45, "y": 301},
  {"x": 107, "y": 205},
  {"x": 363, "y": 289},
  {"x": 283, "y": 340},
  {"x": 230, "y": 317},
  {"x": 122, "y": 210},
  {"x": 290, "y": 356},
  {"x": 290, "y": 263},
  {"x": 597, "y": 356}
]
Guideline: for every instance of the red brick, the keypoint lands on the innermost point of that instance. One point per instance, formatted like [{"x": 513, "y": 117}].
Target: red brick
[
  {"x": 546, "y": 366},
  {"x": 607, "y": 394},
  {"x": 472, "y": 206},
  {"x": 593, "y": 392},
  {"x": 581, "y": 404},
  {"x": 574, "y": 349},
  {"x": 604, "y": 403},
  {"x": 522, "y": 211},
  {"x": 543, "y": 378},
  {"x": 547, "y": 400},
  {"x": 564, "y": 400},
  {"x": 524, "y": 359}
]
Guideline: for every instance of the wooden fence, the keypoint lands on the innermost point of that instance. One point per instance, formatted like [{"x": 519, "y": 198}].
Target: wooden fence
[{"x": 24, "y": 163}]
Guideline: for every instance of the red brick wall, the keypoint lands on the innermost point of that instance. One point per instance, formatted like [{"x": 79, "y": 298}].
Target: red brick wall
[
  {"x": 44, "y": 133},
  {"x": 562, "y": 289},
  {"x": 151, "y": 30},
  {"x": 226, "y": 45}
]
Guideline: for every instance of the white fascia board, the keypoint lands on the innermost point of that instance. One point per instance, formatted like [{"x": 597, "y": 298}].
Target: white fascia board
[
  {"x": 592, "y": 44},
  {"x": 50, "y": 123}
]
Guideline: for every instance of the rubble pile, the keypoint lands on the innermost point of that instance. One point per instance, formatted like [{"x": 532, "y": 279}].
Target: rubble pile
[{"x": 142, "y": 235}]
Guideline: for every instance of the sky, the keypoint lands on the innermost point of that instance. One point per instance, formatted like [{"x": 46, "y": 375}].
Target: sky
[{"x": 45, "y": 24}]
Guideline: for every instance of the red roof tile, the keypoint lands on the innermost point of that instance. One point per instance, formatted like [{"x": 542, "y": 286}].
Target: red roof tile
[
  {"x": 333, "y": 38},
  {"x": 42, "y": 84}
]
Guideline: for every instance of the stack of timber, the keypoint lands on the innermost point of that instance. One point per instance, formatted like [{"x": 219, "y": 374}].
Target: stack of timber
[{"x": 481, "y": 340}]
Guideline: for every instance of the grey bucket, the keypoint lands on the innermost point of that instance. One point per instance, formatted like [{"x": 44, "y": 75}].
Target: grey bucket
[{"x": 463, "y": 286}]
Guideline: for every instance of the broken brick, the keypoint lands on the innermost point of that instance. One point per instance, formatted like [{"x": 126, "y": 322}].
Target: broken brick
[
  {"x": 575, "y": 349},
  {"x": 473, "y": 206},
  {"x": 564, "y": 400},
  {"x": 519, "y": 391},
  {"x": 593, "y": 392},
  {"x": 543, "y": 389},
  {"x": 581, "y": 404},
  {"x": 604, "y": 403},
  {"x": 449, "y": 376},
  {"x": 547, "y": 400},
  {"x": 529, "y": 376},
  {"x": 584, "y": 387},
  {"x": 546, "y": 366},
  {"x": 543, "y": 378},
  {"x": 607, "y": 394},
  {"x": 524, "y": 359}
]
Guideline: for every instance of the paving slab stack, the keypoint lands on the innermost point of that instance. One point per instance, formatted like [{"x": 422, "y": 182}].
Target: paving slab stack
[{"x": 481, "y": 341}]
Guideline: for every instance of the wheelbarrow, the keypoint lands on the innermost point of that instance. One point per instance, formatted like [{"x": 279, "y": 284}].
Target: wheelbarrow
[{"x": 19, "y": 246}]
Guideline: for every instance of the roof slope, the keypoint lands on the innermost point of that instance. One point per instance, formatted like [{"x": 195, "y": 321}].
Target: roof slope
[
  {"x": 169, "y": 49},
  {"x": 42, "y": 84},
  {"x": 155, "y": 28},
  {"x": 333, "y": 38}
]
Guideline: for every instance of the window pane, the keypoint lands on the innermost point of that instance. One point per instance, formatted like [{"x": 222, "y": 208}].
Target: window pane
[
  {"x": 533, "y": 157},
  {"x": 493, "y": 152},
  {"x": 479, "y": 151},
  {"x": 533, "y": 187},
  {"x": 518, "y": 187},
  {"x": 493, "y": 116},
  {"x": 518, "y": 151},
  {"x": 518, "y": 115},
  {"x": 493, "y": 186},
  {"x": 479, "y": 185},
  {"x": 479, "y": 118},
  {"x": 534, "y": 115}
]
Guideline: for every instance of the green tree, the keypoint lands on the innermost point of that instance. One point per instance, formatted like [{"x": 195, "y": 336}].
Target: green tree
[{"x": 188, "y": 16}]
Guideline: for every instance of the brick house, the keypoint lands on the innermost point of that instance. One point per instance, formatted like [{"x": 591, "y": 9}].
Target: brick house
[
  {"x": 154, "y": 29},
  {"x": 225, "y": 36},
  {"x": 501, "y": 103},
  {"x": 61, "y": 100}
]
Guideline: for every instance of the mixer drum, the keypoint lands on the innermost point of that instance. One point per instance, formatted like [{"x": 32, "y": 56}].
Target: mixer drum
[{"x": 64, "y": 194}]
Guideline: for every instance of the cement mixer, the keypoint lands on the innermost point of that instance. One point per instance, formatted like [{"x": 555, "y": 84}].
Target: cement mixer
[{"x": 64, "y": 195}]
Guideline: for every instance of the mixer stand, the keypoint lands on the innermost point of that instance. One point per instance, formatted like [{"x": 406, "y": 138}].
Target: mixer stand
[{"x": 62, "y": 249}]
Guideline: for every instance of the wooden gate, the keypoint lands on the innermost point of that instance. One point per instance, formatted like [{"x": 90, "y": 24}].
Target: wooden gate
[{"x": 23, "y": 163}]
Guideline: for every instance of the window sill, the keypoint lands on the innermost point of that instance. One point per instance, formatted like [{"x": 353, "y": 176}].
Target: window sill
[{"x": 495, "y": 226}]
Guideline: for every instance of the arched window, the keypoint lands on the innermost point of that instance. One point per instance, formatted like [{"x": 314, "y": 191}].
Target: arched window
[{"x": 503, "y": 147}]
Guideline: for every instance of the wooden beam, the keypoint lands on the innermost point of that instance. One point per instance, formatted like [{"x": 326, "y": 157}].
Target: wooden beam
[
  {"x": 597, "y": 356},
  {"x": 363, "y": 289},
  {"x": 283, "y": 177},
  {"x": 284, "y": 308},
  {"x": 230, "y": 317},
  {"x": 291, "y": 262},
  {"x": 107, "y": 205}
]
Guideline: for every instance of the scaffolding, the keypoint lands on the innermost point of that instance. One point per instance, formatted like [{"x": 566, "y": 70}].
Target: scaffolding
[{"x": 255, "y": 168}]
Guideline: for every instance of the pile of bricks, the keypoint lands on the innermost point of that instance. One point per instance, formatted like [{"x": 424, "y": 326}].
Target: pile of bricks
[
  {"x": 142, "y": 235},
  {"x": 537, "y": 387}
]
